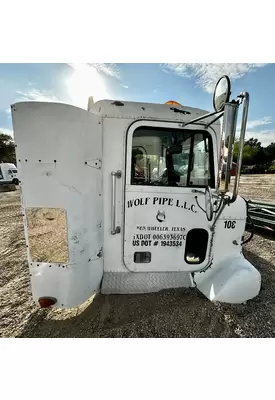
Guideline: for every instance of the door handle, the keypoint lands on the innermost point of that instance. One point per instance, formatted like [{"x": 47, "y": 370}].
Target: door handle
[{"x": 114, "y": 229}]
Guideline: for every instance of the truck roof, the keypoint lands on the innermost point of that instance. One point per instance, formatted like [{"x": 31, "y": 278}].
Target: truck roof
[
  {"x": 143, "y": 110},
  {"x": 9, "y": 165},
  {"x": 140, "y": 110}
]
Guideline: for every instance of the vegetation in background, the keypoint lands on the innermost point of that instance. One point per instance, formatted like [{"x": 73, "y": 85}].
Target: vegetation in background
[
  {"x": 7, "y": 149},
  {"x": 254, "y": 154}
]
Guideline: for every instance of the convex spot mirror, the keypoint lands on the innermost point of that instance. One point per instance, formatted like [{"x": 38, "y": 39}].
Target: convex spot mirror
[
  {"x": 221, "y": 93},
  {"x": 209, "y": 203}
]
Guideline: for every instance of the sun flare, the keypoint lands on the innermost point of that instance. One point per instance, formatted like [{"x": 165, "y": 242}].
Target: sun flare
[{"x": 86, "y": 81}]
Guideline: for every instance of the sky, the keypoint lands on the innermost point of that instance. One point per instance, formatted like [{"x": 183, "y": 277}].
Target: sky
[{"x": 189, "y": 84}]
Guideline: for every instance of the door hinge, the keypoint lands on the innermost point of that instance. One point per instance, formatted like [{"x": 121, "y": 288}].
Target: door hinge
[{"x": 97, "y": 163}]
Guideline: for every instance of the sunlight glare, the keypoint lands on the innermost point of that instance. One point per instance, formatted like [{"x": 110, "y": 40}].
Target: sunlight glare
[{"x": 85, "y": 81}]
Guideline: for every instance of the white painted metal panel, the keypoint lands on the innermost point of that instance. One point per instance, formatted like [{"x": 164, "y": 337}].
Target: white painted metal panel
[
  {"x": 157, "y": 222},
  {"x": 114, "y": 138},
  {"x": 153, "y": 111},
  {"x": 117, "y": 278},
  {"x": 59, "y": 151},
  {"x": 157, "y": 219}
]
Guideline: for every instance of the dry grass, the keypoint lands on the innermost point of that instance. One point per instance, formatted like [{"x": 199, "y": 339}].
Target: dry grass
[{"x": 175, "y": 313}]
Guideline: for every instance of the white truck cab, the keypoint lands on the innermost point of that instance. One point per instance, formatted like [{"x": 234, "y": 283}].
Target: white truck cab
[
  {"x": 8, "y": 173},
  {"x": 125, "y": 198}
]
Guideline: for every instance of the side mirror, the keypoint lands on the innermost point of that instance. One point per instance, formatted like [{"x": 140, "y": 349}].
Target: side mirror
[
  {"x": 209, "y": 204},
  {"x": 221, "y": 93},
  {"x": 228, "y": 132},
  {"x": 230, "y": 117}
]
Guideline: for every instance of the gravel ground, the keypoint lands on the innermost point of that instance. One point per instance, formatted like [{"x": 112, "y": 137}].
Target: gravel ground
[
  {"x": 258, "y": 187},
  {"x": 174, "y": 313}
]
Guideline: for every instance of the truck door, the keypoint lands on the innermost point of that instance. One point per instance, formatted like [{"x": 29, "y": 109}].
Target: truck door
[
  {"x": 59, "y": 149},
  {"x": 165, "y": 226}
]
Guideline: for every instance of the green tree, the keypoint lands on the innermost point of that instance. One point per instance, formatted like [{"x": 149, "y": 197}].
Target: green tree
[
  {"x": 250, "y": 152},
  {"x": 270, "y": 152},
  {"x": 255, "y": 153},
  {"x": 253, "y": 143},
  {"x": 7, "y": 149}
]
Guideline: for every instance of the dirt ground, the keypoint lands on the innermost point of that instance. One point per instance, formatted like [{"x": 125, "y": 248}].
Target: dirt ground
[
  {"x": 258, "y": 187},
  {"x": 174, "y": 313}
]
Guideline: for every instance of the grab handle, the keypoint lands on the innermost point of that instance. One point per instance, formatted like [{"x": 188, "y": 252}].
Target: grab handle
[{"x": 114, "y": 229}]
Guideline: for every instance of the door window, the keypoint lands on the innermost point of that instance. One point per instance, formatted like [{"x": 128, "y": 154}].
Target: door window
[{"x": 172, "y": 157}]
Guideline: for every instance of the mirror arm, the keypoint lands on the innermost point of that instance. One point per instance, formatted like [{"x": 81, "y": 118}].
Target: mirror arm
[
  {"x": 239, "y": 99},
  {"x": 245, "y": 97},
  {"x": 201, "y": 118},
  {"x": 224, "y": 201},
  {"x": 222, "y": 112},
  {"x": 214, "y": 120}
]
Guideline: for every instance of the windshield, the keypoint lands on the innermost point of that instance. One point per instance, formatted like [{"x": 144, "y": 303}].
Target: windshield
[{"x": 172, "y": 157}]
